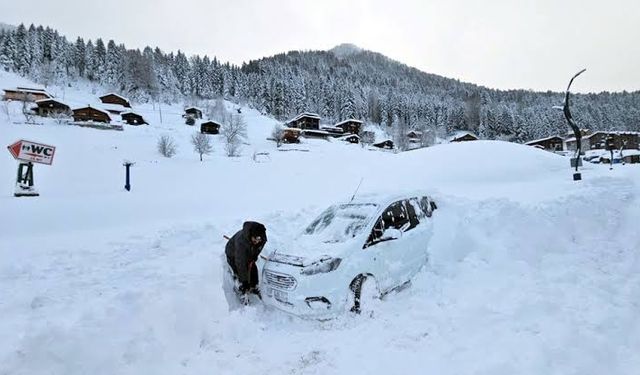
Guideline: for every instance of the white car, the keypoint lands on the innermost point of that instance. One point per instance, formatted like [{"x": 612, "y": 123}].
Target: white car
[{"x": 373, "y": 243}]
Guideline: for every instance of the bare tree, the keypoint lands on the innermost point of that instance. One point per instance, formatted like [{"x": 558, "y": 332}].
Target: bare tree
[
  {"x": 367, "y": 137},
  {"x": 278, "y": 134},
  {"x": 428, "y": 137},
  {"x": 6, "y": 110},
  {"x": 201, "y": 144},
  {"x": 234, "y": 132},
  {"x": 166, "y": 146},
  {"x": 60, "y": 117},
  {"x": 401, "y": 141}
]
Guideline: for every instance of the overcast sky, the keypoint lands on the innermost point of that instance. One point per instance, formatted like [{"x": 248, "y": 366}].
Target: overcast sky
[{"x": 506, "y": 44}]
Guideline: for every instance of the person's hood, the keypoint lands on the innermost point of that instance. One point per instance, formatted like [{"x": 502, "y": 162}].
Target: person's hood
[{"x": 252, "y": 229}]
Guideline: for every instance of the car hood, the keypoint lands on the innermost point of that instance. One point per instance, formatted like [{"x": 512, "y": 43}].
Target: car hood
[{"x": 305, "y": 251}]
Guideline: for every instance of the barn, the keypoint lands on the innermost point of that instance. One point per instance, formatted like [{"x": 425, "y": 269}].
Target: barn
[
  {"x": 133, "y": 118},
  {"x": 210, "y": 127},
  {"x": 192, "y": 112}
]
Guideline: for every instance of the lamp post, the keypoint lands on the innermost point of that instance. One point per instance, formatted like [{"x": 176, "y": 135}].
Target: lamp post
[{"x": 576, "y": 130}]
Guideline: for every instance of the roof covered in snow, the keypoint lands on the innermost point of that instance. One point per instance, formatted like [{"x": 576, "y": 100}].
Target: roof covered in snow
[
  {"x": 114, "y": 94},
  {"x": 304, "y": 114},
  {"x": 543, "y": 139},
  {"x": 115, "y": 107},
  {"x": 461, "y": 133},
  {"x": 348, "y": 121},
  {"x": 94, "y": 108}
]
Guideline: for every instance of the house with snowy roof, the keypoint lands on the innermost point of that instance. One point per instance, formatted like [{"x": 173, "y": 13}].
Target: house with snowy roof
[
  {"x": 115, "y": 100},
  {"x": 350, "y": 126},
  {"x": 192, "y": 112},
  {"x": 26, "y": 94},
  {"x": 625, "y": 140},
  {"x": 463, "y": 136},
  {"x": 86, "y": 114},
  {"x": 133, "y": 118},
  {"x": 50, "y": 107},
  {"x": 305, "y": 121}
]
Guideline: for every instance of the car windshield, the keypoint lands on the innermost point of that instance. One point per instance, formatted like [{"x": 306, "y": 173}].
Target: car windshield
[{"x": 341, "y": 222}]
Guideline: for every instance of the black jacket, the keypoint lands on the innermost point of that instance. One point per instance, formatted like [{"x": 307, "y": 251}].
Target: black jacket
[{"x": 241, "y": 253}]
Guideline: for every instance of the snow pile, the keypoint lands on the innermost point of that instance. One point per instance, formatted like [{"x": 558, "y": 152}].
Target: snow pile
[{"x": 529, "y": 272}]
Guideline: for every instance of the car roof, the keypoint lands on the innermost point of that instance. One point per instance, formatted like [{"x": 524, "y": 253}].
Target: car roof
[{"x": 383, "y": 199}]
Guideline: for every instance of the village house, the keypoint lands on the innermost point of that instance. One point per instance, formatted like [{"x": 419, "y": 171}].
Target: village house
[
  {"x": 463, "y": 136},
  {"x": 26, "y": 94},
  {"x": 350, "y": 126},
  {"x": 133, "y": 118},
  {"x": 192, "y": 112},
  {"x": 210, "y": 127},
  {"x": 305, "y": 121},
  {"x": 554, "y": 143},
  {"x": 86, "y": 114},
  {"x": 50, "y": 107}
]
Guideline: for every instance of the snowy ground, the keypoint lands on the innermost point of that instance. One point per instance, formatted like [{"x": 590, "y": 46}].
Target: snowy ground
[{"x": 529, "y": 273}]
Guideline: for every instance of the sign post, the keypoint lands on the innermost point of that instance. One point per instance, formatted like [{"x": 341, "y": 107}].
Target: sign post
[
  {"x": 27, "y": 153},
  {"x": 127, "y": 183}
]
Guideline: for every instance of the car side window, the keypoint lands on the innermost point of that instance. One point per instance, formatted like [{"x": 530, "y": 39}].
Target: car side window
[{"x": 396, "y": 216}]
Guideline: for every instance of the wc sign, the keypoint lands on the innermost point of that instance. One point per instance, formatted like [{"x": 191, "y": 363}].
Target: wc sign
[{"x": 32, "y": 152}]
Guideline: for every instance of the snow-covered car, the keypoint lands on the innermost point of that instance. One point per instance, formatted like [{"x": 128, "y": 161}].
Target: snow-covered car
[{"x": 371, "y": 245}]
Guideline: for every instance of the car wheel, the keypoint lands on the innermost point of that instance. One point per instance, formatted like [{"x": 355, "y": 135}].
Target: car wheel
[{"x": 365, "y": 294}]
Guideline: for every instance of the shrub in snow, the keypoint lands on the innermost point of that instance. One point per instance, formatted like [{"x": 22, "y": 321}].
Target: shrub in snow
[
  {"x": 277, "y": 134},
  {"x": 201, "y": 144},
  {"x": 166, "y": 146}
]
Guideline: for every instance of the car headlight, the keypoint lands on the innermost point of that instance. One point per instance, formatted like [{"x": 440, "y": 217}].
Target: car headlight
[{"x": 324, "y": 265}]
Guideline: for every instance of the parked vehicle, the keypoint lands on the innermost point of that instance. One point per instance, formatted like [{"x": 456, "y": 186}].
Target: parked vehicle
[{"x": 372, "y": 243}]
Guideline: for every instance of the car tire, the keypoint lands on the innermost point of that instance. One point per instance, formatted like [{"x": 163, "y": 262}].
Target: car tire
[{"x": 364, "y": 293}]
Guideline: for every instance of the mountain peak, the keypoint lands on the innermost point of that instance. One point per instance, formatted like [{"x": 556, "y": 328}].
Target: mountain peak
[{"x": 345, "y": 49}]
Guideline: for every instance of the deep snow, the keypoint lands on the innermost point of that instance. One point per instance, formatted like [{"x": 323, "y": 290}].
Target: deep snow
[{"x": 529, "y": 272}]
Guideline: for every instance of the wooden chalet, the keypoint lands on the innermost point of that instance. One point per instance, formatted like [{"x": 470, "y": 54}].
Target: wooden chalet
[
  {"x": 291, "y": 135},
  {"x": 463, "y": 137},
  {"x": 87, "y": 114},
  {"x": 193, "y": 112},
  {"x": 50, "y": 107},
  {"x": 115, "y": 99},
  {"x": 386, "y": 144},
  {"x": 305, "y": 121},
  {"x": 133, "y": 118},
  {"x": 554, "y": 143},
  {"x": 26, "y": 94},
  {"x": 210, "y": 127},
  {"x": 350, "y": 126}
]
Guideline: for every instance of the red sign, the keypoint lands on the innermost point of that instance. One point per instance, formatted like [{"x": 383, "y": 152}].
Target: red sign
[{"x": 33, "y": 152}]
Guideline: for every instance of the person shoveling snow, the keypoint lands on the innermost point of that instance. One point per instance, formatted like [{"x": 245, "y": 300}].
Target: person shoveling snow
[{"x": 242, "y": 251}]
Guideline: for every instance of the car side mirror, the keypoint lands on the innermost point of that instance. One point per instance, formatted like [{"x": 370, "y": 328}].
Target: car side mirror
[{"x": 391, "y": 234}]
